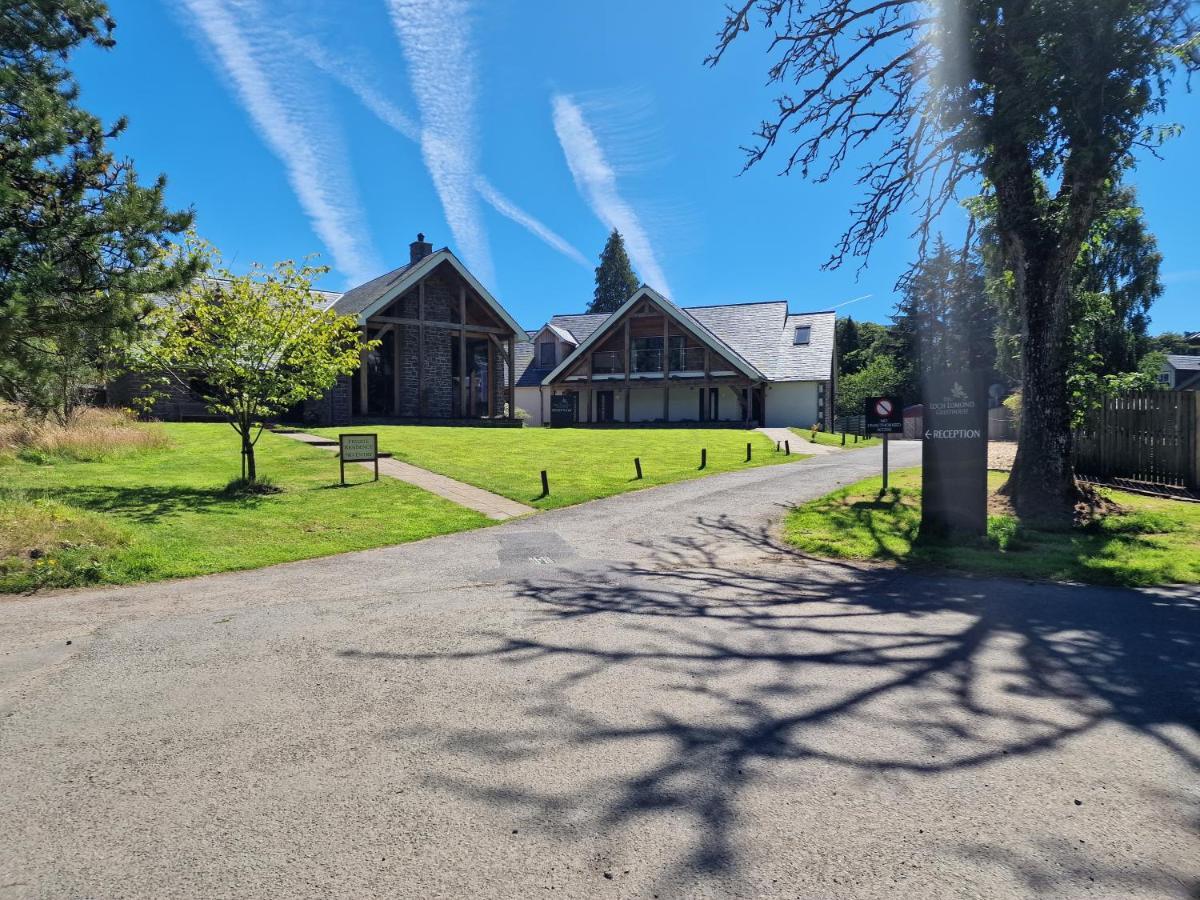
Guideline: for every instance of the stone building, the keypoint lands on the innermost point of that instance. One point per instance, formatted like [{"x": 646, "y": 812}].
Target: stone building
[{"x": 445, "y": 353}]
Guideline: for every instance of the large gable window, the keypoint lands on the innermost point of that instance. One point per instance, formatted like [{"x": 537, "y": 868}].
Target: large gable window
[
  {"x": 803, "y": 335},
  {"x": 546, "y": 355}
]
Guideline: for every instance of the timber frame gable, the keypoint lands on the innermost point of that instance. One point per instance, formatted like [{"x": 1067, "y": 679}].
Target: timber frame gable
[{"x": 644, "y": 303}]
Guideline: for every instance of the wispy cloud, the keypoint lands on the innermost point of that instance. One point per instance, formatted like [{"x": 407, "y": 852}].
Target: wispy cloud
[
  {"x": 855, "y": 300},
  {"x": 386, "y": 111},
  {"x": 597, "y": 181},
  {"x": 436, "y": 44},
  {"x": 296, "y": 128},
  {"x": 507, "y": 208}
]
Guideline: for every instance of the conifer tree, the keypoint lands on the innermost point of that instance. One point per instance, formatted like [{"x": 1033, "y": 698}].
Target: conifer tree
[{"x": 615, "y": 279}]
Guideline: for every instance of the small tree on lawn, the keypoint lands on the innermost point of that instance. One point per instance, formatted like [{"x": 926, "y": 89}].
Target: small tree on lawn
[{"x": 251, "y": 346}]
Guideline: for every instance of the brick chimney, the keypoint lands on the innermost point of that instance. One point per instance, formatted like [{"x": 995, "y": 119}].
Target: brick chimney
[{"x": 419, "y": 249}]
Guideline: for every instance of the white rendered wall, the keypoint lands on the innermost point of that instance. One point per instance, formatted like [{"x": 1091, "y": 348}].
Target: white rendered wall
[
  {"x": 792, "y": 403},
  {"x": 530, "y": 400}
]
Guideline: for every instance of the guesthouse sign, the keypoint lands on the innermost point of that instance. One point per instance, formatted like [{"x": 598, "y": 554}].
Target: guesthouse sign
[
  {"x": 358, "y": 448},
  {"x": 954, "y": 457}
]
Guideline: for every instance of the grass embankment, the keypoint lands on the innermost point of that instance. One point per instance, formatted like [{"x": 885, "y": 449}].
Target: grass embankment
[
  {"x": 1150, "y": 541},
  {"x": 829, "y": 439},
  {"x": 582, "y": 463},
  {"x": 164, "y": 512}
]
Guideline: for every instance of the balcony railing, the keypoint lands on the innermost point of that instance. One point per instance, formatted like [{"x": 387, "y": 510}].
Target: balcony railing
[
  {"x": 608, "y": 362},
  {"x": 647, "y": 360},
  {"x": 687, "y": 359}
]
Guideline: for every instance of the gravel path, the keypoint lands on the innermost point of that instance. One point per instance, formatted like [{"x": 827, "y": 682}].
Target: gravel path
[{"x": 641, "y": 697}]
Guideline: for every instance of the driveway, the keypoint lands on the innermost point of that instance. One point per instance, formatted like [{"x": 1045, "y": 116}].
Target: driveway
[{"x": 641, "y": 697}]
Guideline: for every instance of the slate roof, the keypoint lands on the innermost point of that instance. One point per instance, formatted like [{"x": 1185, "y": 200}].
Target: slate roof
[
  {"x": 359, "y": 298},
  {"x": 328, "y": 298},
  {"x": 576, "y": 328},
  {"x": 762, "y": 334},
  {"x": 1184, "y": 363}
]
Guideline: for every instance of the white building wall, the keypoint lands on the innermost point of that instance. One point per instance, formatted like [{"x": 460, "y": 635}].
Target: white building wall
[
  {"x": 644, "y": 405},
  {"x": 530, "y": 400},
  {"x": 685, "y": 403},
  {"x": 792, "y": 403}
]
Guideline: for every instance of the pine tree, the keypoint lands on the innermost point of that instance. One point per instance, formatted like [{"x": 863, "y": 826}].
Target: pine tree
[
  {"x": 615, "y": 279},
  {"x": 80, "y": 239}
]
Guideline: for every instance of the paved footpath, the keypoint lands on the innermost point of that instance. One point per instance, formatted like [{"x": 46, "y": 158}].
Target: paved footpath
[
  {"x": 798, "y": 443},
  {"x": 646, "y": 696},
  {"x": 494, "y": 506}
]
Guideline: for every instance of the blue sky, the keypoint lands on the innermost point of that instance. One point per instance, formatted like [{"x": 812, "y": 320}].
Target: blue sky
[{"x": 516, "y": 132}]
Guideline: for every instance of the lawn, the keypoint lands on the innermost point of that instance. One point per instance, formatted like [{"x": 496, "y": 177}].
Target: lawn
[
  {"x": 835, "y": 440},
  {"x": 1150, "y": 542},
  {"x": 163, "y": 513},
  {"x": 582, "y": 463}
]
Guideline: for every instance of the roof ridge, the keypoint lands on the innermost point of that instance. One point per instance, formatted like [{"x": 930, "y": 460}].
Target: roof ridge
[{"x": 735, "y": 303}]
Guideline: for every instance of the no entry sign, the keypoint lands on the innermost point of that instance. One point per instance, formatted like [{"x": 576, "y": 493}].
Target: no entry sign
[{"x": 884, "y": 415}]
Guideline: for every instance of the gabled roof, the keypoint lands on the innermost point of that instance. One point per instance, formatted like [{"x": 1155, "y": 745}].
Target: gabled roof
[
  {"x": 561, "y": 333},
  {"x": 681, "y": 318},
  {"x": 372, "y": 296},
  {"x": 1184, "y": 363},
  {"x": 761, "y": 334}
]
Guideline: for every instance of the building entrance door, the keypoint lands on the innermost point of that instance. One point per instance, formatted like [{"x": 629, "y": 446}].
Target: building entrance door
[{"x": 604, "y": 406}]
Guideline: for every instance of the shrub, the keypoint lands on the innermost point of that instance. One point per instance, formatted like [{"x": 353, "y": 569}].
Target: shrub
[{"x": 94, "y": 433}]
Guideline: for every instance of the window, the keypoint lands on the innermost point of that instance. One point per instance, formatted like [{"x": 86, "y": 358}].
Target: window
[
  {"x": 1164, "y": 377},
  {"x": 803, "y": 334},
  {"x": 546, "y": 356}
]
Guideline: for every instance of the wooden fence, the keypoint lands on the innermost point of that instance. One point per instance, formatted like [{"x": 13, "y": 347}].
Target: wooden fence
[{"x": 1152, "y": 437}]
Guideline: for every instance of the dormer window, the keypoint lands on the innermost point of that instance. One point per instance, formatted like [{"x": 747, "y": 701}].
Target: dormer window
[
  {"x": 546, "y": 355},
  {"x": 803, "y": 335}
]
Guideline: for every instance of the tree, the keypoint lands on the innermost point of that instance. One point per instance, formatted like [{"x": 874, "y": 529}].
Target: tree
[
  {"x": 1114, "y": 284},
  {"x": 945, "y": 319},
  {"x": 615, "y": 280},
  {"x": 81, "y": 241},
  {"x": 879, "y": 377},
  {"x": 845, "y": 338},
  {"x": 250, "y": 346},
  {"x": 1019, "y": 96}
]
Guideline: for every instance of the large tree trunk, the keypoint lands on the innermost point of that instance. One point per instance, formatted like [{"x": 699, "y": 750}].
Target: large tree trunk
[{"x": 1042, "y": 484}]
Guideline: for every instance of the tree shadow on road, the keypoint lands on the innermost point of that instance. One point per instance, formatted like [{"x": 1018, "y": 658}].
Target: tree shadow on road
[{"x": 774, "y": 661}]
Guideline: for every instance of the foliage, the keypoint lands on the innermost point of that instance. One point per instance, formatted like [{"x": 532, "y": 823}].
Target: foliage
[
  {"x": 250, "y": 346},
  {"x": 881, "y": 376},
  {"x": 81, "y": 241},
  {"x": 615, "y": 279},
  {"x": 1042, "y": 101},
  {"x": 582, "y": 463},
  {"x": 92, "y": 434},
  {"x": 1114, "y": 284},
  {"x": 166, "y": 513},
  {"x": 945, "y": 319},
  {"x": 1149, "y": 542}
]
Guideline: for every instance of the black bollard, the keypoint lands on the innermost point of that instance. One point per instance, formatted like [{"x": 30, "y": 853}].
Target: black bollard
[{"x": 637, "y": 465}]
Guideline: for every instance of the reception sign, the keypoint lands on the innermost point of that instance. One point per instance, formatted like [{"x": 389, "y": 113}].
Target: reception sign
[{"x": 954, "y": 458}]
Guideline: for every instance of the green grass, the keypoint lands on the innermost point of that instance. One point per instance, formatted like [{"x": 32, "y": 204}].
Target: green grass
[
  {"x": 835, "y": 440},
  {"x": 1152, "y": 542},
  {"x": 582, "y": 463},
  {"x": 165, "y": 513}
]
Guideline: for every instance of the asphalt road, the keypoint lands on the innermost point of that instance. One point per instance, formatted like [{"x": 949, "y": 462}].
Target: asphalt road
[{"x": 643, "y": 697}]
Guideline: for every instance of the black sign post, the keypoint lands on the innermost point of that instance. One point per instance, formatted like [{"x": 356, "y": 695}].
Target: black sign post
[
  {"x": 954, "y": 458},
  {"x": 883, "y": 416}
]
